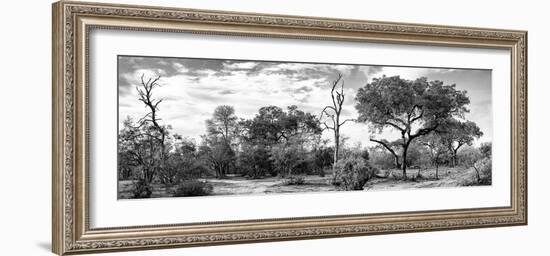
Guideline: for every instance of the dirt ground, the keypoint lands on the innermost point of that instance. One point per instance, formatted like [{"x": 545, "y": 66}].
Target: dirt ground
[{"x": 448, "y": 177}]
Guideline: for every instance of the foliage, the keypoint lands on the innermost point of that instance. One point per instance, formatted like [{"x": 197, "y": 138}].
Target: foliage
[
  {"x": 254, "y": 161},
  {"x": 194, "y": 188},
  {"x": 273, "y": 125},
  {"x": 436, "y": 149},
  {"x": 352, "y": 173},
  {"x": 468, "y": 156},
  {"x": 413, "y": 107},
  {"x": 217, "y": 149},
  {"x": 483, "y": 169},
  {"x": 486, "y": 149},
  {"x": 382, "y": 158},
  {"x": 278, "y": 142},
  {"x": 428, "y": 115},
  {"x": 142, "y": 189},
  {"x": 218, "y": 154},
  {"x": 455, "y": 134},
  {"x": 143, "y": 144},
  {"x": 323, "y": 158},
  {"x": 482, "y": 165},
  {"x": 223, "y": 124},
  {"x": 416, "y": 155},
  {"x": 287, "y": 157}
]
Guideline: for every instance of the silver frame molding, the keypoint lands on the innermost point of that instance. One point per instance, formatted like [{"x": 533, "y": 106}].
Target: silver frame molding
[{"x": 72, "y": 22}]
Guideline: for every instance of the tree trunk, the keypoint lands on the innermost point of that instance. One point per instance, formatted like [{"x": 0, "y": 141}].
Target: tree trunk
[
  {"x": 404, "y": 161},
  {"x": 455, "y": 161},
  {"x": 336, "y": 147},
  {"x": 436, "y": 171}
]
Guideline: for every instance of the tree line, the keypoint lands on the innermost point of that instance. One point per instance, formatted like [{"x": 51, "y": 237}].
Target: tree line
[{"x": 286, "y": 142}]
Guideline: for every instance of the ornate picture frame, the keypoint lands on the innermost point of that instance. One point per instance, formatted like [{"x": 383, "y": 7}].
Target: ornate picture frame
[{"x": 72, "y": 23}]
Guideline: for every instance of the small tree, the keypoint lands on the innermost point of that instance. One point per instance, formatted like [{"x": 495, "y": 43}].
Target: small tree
[
  {"x": 223, "y": 123},
  {"x": 222, "y": 130},
  {"x": 218, "y": 155},
  {"x": 436, "y": 149},
  {"x": 474, "y": 158},
  {"x": 457, "y": 134},
  {"x": 486, "y": 149}
]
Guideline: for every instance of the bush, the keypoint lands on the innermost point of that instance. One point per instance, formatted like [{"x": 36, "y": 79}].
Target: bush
[
  {"x": 483, "y": 169},
  {"x": 142, "y": 190},
  {"x": 486, "y": 149},
  {"x": 382, "y": 159},
  {"x": 286, "y": 158},
  {"x": 295, "y": 180},
  {"x": 194, "y": 188},
  {"x": 352, "y": 173},
  {"x": 254, "y": 162}
]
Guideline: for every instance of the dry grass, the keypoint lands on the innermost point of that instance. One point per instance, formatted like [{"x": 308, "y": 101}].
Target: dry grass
[{"x": 448, "y": 177}]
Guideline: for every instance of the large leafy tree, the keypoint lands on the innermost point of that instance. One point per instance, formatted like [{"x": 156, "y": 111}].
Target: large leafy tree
[
  {"x": 457, "y": 134},
  {"x": 414, "y": 108},
  {"x": 274, "y": 133},
  {"x": 273, "y": 125}
]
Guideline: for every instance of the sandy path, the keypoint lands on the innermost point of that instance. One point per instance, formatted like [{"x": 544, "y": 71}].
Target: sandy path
[{"x": 448, "y": 177}]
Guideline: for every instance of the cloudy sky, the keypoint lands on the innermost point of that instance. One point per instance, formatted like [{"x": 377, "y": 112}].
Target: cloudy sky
[{"x": 192, "y": 88}]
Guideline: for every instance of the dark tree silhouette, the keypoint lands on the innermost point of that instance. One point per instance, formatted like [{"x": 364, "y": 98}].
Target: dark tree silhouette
[{"x": 156, "y": 132}]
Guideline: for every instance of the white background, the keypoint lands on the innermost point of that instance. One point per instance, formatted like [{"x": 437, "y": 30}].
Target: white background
[
  {"x": 106, "y": 211},
  {"x": 26, "y": 116}
]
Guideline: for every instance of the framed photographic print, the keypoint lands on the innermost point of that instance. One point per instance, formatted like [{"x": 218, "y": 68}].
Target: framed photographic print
[{"x": 179, "y": 127}]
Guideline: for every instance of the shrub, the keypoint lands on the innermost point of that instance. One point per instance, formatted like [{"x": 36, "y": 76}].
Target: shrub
[
  {"x": 254, "y": 161},
  {"x": 194, "y": 188},
  {"x": 142, "y": 190},
  {"x": 286, "y": 158},
  {"x": 483, "y": 169},
  {"x": 486, "y": 149},
  {"x": 295, "y": 180},
  {"x": 382, "y": 159},
  {"x": 352, "y": 173}
]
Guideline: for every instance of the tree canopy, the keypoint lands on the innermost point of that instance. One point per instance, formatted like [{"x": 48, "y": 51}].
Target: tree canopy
[
  {"x": 272, "y": 124},
  {"x": 413, "y": 107},
  {"x": 455, "y": 134}
]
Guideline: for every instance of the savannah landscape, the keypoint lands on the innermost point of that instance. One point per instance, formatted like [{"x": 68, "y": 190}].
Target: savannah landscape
[{"x": 414, "y": 133}]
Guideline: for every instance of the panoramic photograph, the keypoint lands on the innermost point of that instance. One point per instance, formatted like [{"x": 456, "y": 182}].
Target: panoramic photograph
[{"x": 220, "y": 127}]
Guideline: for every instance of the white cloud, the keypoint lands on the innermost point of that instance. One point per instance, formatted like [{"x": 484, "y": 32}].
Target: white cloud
[
  {"x": 241, "y": 65},
  {"x": 190, "y": 101}
]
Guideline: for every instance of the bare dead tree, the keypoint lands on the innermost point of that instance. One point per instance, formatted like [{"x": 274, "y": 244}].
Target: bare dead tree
[
  {"x": 333, "y": 112},
  {"x": 145, "y": 92}
]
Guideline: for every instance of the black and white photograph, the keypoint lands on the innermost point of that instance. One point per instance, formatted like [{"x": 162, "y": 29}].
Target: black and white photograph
[{"x": 212, "y": 127}]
